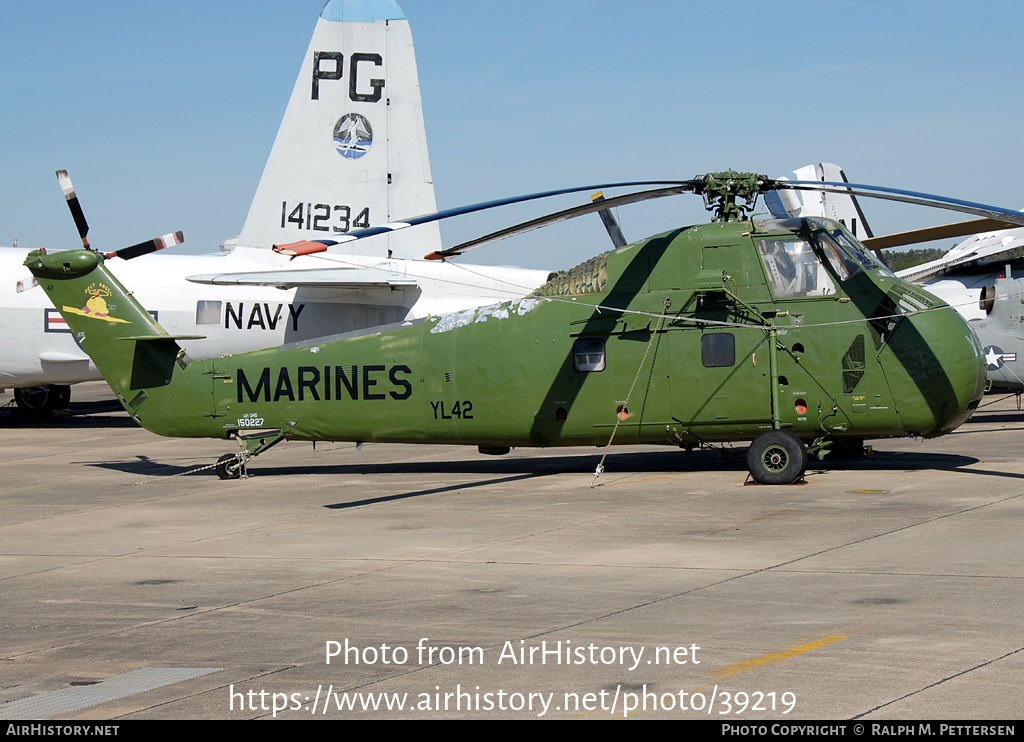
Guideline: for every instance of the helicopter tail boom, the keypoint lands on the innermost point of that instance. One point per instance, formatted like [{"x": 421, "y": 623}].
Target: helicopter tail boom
[{"x": 129, "y": 347}]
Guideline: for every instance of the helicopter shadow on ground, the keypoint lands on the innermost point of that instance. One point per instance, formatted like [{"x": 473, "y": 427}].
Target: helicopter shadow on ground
[
  {"x": 145, "y": 466},
  {"x": 497, "y": 470},
  {"x": 82, "y": 415},
  {"x": 506, "y": 470},
  {"x": 531, "y": 466},
  {"x": 907, "y": 461},
  {"x": 993, "y": 417}
]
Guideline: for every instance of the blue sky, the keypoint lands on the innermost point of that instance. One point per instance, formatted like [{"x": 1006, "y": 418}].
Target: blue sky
[{"x": 164, "y": 113}]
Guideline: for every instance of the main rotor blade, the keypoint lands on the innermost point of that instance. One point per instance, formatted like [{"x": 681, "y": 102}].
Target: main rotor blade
[
  {"x": 999, "y": 214},
  {"x": 943, "y": 232},
  {"x": 359, "y": 234},
  {"x": 611, "y": 225},
  {"x": 560, "y": 216},
  {"x": 908, "y": 197},
  {"x": 144, "y": 248},
  {"x": 76, "y": 208}
]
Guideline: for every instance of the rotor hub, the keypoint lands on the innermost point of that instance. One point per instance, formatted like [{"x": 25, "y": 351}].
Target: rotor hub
[{"x": 721, "y": 190}]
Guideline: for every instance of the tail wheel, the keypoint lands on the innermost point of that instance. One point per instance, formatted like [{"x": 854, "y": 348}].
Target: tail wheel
[
  {"x": 777, "y": 457},
  {"x": 229, "y": 466}
]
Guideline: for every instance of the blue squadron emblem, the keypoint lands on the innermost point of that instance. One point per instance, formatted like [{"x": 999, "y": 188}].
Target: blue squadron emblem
[{"x": 353, "y": 136}]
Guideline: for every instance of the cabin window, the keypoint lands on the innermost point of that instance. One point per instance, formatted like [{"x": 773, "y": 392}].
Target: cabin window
[
  {"x": 208, "y": 312},
  {"x": 588, "y": 354},
  {"x": 718, "y": 349},
  {"x": 793, "y": 268}
]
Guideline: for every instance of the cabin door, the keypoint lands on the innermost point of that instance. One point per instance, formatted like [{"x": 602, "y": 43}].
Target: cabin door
[{"x": 721, "y": 381}]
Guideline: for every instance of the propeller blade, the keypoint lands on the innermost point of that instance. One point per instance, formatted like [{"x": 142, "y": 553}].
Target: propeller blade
[
  {"x": 144, "y": 248},
  {"x": 76, "y": 208},
  {"x": 560, "y": 216}
]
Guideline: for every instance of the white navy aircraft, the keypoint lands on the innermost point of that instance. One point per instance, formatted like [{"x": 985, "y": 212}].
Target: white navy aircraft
[
  {"x": 843, "y": 209},
  {"x": 351, "y": 152}
]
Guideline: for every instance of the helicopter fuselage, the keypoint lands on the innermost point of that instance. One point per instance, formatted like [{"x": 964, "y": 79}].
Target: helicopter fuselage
[{"x": 717, "y": 332}]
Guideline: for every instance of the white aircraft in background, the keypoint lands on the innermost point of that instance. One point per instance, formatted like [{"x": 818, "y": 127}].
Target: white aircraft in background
[
  {"x": 351, "y": 152},
  {"x": 844, "y": 210}
]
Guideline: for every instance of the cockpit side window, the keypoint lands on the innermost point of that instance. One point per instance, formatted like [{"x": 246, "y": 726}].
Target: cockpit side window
[
  {"x": 794, "y": 269},
  {"x": 847, "y": 255},
  {"x": 841, "y": 263}
]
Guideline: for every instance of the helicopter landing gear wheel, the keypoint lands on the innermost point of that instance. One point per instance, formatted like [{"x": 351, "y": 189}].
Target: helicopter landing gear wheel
[
  {"x": 777, "y": 457},
  {"x": 229, "y": 466}
]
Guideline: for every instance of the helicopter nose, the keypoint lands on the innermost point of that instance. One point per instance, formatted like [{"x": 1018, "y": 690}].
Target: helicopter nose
[{"x": 936, "y": 371}]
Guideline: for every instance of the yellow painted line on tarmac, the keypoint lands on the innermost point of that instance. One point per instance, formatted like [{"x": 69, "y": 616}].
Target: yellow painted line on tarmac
[
  {"x": 738, "y": 668},
  {"x": 770, "y": 658}
]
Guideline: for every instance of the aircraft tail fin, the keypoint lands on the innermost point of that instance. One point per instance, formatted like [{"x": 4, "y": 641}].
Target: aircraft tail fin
[
  {"x": 844, "y": 208},
  {"x": 351, "y": 151},
  {"x": 128, "y": 346}
]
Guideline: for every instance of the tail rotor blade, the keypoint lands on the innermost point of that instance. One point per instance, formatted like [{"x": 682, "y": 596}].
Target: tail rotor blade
[
  {"x": 76, "y": 208},
  {"x": 144, "y": 248}
]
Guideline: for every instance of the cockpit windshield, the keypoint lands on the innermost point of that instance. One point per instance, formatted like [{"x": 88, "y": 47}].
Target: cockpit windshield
[{"x": 794, "y": 263}]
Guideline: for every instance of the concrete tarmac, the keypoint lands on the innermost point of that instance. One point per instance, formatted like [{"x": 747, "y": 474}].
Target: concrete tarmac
[{"x": 472, "y": 586}]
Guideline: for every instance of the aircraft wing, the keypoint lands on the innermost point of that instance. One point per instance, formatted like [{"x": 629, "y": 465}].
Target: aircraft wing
[
  {"x": 325, "y": 278},
  {"x": 979, "y": 247}
]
